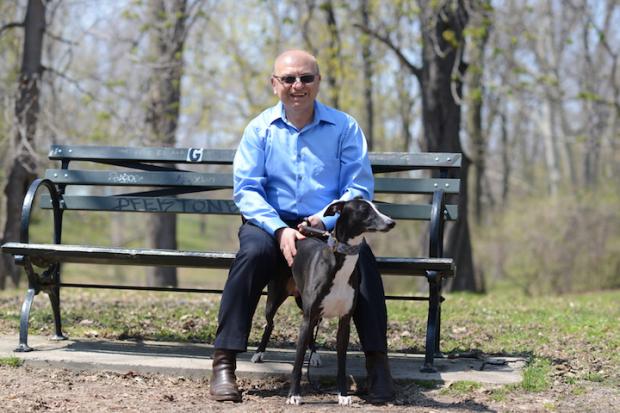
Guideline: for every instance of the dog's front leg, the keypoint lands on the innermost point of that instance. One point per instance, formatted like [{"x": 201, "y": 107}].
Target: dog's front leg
[
  {"x": 342, "y": 343},
  {"x": 305, "y": 332}
]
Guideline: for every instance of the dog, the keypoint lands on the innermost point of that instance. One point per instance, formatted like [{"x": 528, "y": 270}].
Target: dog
[{"x": 325, "y": 283}]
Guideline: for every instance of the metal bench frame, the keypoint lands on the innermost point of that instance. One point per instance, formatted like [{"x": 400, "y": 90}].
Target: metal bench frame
[{"x": 167, "y": 181}]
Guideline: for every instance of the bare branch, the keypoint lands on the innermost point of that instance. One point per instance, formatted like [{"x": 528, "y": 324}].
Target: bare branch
[
  {"x": 456, "y": 76},
  {"x": 71, "y": 81},
  {"x": 192, "y": 16},
  {"x": 305, "y": 32},
  {"x": 417, "y": 72},
  {"x": 60, "y": 39},
  {"x": 75, "y": 83},
  {"x": 11, "y": 26}
]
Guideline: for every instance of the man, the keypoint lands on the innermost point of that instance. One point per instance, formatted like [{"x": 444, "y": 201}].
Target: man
[{"x": 293, "y": 160}]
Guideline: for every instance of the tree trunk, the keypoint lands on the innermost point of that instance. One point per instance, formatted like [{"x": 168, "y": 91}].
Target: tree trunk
[
  {"x": 546, "y": 120},
  {"x": 441, "y": 81},
  {"x": 475, "y": 99},
  {"x": 333, "y": 55},
  {"x": 167, "y": 39},
  {"x": 368, "y": 71},
  {"x": 506, "y": 159},
  {"x": 23, "y": 167}
]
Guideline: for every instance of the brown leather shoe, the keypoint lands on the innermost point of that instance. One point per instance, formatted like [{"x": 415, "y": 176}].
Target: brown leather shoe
[
  {"x": 380, "y": 383},
  {"x": 223, "y": 385}
]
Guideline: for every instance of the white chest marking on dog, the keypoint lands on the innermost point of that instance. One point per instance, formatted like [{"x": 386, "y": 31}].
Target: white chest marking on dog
[{"x": 339, "y": 300}]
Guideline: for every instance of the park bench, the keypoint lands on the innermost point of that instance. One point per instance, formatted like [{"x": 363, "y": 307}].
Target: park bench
[{"x": 166, "y": 180}]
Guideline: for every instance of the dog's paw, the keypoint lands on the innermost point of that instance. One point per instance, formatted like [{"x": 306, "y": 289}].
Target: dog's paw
[
  {"x": 344, "y": 400},
  {"x": 294, "y": 400},
  {"x": 258, "y": 357},
  {"x": 315, "y": 360}
]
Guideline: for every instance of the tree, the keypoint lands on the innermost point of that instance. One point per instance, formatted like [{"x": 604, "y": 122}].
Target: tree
[
  {"x": 477, "y": 36},
  {"x": 441, "y": 78},
  {"x": 22, "y": 170},
  {"x": 167, "y": 36},
  {"x": 334, "y": 58},
  {"x": 369, "y": 110}
]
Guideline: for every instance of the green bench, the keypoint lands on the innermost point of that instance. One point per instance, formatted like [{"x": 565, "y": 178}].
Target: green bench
[{"x": 165, "y": 180}]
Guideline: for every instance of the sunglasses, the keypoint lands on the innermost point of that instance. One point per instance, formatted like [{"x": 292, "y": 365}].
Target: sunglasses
[{"x": 289, "y": 80}]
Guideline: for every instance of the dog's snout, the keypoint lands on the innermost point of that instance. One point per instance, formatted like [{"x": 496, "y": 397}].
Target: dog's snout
[
  {"x": 389, "y": 224},
  {"x": 386, "y": 224}
]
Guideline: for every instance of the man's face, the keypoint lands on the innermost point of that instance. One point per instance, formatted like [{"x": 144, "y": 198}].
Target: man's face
[{"x": 297, "y": 96}]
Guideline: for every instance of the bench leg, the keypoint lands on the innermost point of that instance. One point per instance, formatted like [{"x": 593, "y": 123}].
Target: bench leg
[
  {"x": 23, "y": 321},
  {"x": 433, "y": 322},
  {"x": 54, "y": 295},
  {"x": 438, "y": 332}
]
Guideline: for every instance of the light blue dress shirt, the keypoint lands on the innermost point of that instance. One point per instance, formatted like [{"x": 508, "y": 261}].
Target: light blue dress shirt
[{"x": 285, "y": 174}]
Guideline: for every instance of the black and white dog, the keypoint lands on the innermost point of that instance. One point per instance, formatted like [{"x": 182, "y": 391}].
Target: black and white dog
[{"x": 325, "y": 277}]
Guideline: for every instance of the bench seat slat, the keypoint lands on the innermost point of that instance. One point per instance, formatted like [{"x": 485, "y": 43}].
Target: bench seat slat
[
  {"x": 210, "y": 206},
  {"x": 45, "y": 254}
]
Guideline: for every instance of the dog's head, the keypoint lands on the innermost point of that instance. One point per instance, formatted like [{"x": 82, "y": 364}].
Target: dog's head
[{"x": 358, "y": 216}]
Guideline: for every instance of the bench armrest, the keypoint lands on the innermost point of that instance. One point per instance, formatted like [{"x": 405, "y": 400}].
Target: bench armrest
[
  {"x": 28, "y": 205},
  {"x": 437, "y": 224}
]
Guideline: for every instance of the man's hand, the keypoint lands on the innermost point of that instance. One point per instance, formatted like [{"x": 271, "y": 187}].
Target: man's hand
[
  {"x": 286, "y": 237},
  {"x": 314, "y": 222}
]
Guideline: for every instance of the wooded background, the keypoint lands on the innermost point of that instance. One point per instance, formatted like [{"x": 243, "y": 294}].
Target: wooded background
[{"x": 529, "y": 91}]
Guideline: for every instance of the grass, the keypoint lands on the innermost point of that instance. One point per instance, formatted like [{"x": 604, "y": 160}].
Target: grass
[
  {"x": 462, "y": 387},
  {"x": 572, "y": 338},
  {"x": 536, "y": 375},
  {"x": 10, "y": 362},
  {"x": 425, "y": 384}
]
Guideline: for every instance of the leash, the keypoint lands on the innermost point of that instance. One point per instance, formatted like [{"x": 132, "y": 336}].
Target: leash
[
  {"x": 332, "y": 242},
  {"x": 309, "y": 231}
]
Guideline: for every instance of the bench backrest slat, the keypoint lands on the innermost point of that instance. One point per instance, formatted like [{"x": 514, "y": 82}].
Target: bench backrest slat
[
  {"x": 211, "y": 206},
  {"x": 132, "y": 178},
  {"x": 160, "y": 155},
  {"x": 224, "y": 180},
  {"x": 381, "y": 161}
]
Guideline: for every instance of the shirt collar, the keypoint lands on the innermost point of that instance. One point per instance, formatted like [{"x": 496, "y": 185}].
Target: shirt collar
[{"x": 321, "y": 113}]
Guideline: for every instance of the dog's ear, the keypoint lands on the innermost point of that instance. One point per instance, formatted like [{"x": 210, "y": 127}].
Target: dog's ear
[{"x": 333, "y": 208}]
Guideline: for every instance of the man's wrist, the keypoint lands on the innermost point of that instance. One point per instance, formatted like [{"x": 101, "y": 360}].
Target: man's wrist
[{"x": 278, "y": 233}]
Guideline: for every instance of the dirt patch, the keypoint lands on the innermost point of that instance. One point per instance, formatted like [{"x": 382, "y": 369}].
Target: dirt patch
[{"x": 27, "y": 389}]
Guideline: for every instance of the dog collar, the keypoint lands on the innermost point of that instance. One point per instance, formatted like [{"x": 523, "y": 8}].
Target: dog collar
[{"x": 342, "y": 247}]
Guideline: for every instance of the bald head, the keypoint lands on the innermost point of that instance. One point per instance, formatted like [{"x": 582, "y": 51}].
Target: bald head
[
  {"x": 295, "y": 58},
  {"x": 296, "y": 81}
]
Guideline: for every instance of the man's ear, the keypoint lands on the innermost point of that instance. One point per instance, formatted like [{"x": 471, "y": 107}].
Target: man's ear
[
  {"x": 333, "y": 208},
  {"x": 273, "y": 85}
]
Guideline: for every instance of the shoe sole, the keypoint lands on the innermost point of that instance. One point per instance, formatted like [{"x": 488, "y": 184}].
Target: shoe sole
[
  {"x": 225, "y": 398},
  {"x": 380, "y": 400}
]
